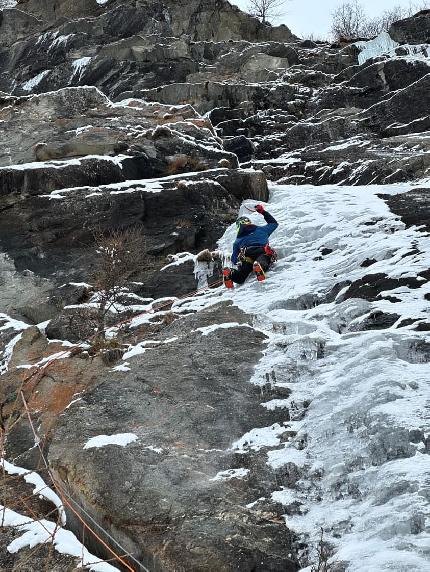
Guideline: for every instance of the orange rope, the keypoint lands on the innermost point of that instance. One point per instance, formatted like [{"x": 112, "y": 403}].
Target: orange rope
[
  {"x": 64, "y": 500},
  {"x": 62, "y": 494}
]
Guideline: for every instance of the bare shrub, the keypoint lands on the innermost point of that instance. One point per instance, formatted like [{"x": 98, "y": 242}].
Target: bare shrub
[
  {"x": 349, "y": 20},
  {"x": 184, "y": 164},
  {"x": 323, "y": 555},
  {"x": 82, "y": 322},
  {"x": 374, "y": 26},
  {"x": 120, "y": 254}
]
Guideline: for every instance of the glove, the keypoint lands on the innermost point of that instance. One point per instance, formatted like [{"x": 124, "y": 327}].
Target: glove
[{"x": 259, "y": 209}]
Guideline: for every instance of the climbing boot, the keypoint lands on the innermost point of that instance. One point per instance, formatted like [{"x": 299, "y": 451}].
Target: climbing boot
[
  {"x": 259, "y": 272},
  {"x": 226, "y": 278}
]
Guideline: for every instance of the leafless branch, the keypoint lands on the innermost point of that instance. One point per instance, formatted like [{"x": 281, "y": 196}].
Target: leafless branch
[
  {"x": 349, "y": 20},
  {"x": 266, "y": 10},
  {"x": 120, "y": 254}
]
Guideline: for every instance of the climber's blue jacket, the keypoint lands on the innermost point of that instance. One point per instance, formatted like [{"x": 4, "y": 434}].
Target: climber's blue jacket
[{"x": 253, "y": 235}]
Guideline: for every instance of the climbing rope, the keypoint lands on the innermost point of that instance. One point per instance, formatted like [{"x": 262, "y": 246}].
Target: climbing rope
[
  {"x": 64, "y": 496},
  {"x": 66, "y": 499}
]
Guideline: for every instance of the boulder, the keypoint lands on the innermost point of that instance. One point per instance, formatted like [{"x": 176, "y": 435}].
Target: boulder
[
  {"x": 240, "y": 146},
  {"x": 33, "y": 292},
  {"x": 73, "y": 324},
  {"x": 413, "y": 30}
]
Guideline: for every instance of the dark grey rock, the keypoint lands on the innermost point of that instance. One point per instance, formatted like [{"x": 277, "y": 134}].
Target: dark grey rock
[
  {"x": 413, "y": 207},
  {"x": 369, "y": 287},
  {"x": 191, "y": 407},
  {"x": 414, "y": 30},
  {"x": 377, "y": 320},
  {"x": 405, "y": 112},
  {"x": 73, "y": 324},
  {"x": 240, "y": 146}
]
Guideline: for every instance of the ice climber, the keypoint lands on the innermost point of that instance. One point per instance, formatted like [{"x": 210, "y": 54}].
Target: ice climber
[{"x": 251, "y": 249}]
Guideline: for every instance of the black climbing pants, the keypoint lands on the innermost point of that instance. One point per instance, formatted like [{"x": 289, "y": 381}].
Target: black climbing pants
[{"x": 254, "y": 253}]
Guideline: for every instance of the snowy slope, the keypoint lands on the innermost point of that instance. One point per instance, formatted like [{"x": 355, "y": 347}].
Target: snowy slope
[{"x": 360, "y": 443}]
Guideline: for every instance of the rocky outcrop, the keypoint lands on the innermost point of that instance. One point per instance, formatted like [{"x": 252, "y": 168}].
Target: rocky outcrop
[
  {"x": 95, "y": 169},
  {"x": 53, "y": 234},
  {"x": 77, "y": 122},
  {"x": 211, "y": 21},
  {"x": 288, "y": 98},
  {"x": 414, "y": 30},
  {"x": 118, "y": 46},
  {"x": 49, "y": 11},
  {"x": 413, "y": 207}
]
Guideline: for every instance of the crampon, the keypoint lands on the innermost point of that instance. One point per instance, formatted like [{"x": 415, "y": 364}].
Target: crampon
[
  {"x": 226, "y": 278},
  {"x": 259, "y": 272}
]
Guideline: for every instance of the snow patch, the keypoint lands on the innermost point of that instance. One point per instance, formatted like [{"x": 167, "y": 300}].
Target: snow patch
[
  {"x": 231, "y": 474},
  {"x": 205, "y": 331},
  {"x": 120, "y": 439},
  {"x": 7, "y": 353},
  {"x": 79, "y": 66},
  {"x": 256, "y": 439},
  {"x": 34, "y": 82},
  {"x": 40, "y": 487},
  {"x": 46, "y": 531}
]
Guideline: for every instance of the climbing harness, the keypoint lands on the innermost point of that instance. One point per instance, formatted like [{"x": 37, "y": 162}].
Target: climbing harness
[{"x": 268, "y": 250}]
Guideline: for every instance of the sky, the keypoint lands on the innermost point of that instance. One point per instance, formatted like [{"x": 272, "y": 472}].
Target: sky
[{"x": 305, "y": 17}]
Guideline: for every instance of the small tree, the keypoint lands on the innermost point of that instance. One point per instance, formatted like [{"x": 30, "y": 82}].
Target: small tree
[
  {"x": 348, "y": 20},
  {"x": 382, "y": 23},
  {"x": 119, "y": 255},
  {"x": 266, "y": 10},
  {"x": 323, "y": 554}
]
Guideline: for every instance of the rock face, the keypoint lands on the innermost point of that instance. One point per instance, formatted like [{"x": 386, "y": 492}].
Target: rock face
[
  {"x": 270, "y": 96},
  {"x": 193, "y": 466},
  {"x": 53, "y": 235},
  {"x": 119, "y": 46},
  {"x": 413, "y": 207},
  {"x": 76, "y": 122},
  {"x": 51, "y": 207}
]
